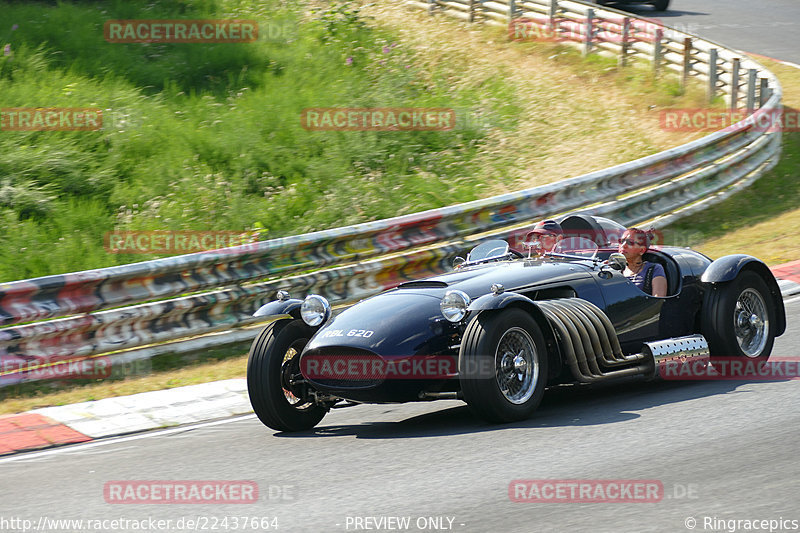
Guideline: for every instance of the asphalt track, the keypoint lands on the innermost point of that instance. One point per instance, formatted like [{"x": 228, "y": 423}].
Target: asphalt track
[
  {"x": 766, "y": 27},
  {"x": 724, "y": 450}
]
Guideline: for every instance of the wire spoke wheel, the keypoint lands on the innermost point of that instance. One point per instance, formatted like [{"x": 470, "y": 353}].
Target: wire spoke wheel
[
  {"x": 740, "y": 317},
  {"x": 290, "y": 375},
  {"x": 516, "y": 365},
  {"x": 503, "y": 365},
  {"x": 751, "y": 322},
  {"x": 278, "y": 393}
]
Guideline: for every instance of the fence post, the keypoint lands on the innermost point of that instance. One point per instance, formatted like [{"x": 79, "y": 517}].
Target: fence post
[
  {"x": 751, "y": 90},
  {"x": 512, "y": 9},
  {"x": 589, "y": 29},
  {"x": 626, "y": 30},
  {"x": 431, "y": 6},
  {"x": 551, "y": 16},
  {"x": 687, "y": 61},
  {"x": 763, "y": 92},
  {"x": 471, "y": 17},
  {"x": 712, "y": 74},
  {"x": 735, "y": 83},
  {"x": 658, "y": 52}
]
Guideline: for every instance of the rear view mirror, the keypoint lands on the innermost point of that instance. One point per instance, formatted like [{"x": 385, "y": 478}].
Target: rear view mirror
[{"x": 617, "y": 261}]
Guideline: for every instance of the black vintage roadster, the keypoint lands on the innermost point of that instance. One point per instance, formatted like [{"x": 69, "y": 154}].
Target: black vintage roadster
[{"x": 506, "y": 324}]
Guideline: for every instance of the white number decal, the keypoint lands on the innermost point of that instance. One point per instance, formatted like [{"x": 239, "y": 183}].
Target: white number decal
[{"x": 360, "y": 333}]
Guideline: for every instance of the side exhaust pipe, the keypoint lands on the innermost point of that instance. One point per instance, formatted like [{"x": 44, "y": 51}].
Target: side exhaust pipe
[{"x": 670, "y": 354}]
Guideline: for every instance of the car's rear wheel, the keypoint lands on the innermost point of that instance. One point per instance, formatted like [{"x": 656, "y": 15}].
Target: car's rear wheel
[
  {"x": 503, "y": 365},
  {"x": 273, "y": 369},
  {"x": 741, "y": 321}
]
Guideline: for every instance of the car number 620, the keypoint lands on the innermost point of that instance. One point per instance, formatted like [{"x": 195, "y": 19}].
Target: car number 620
[{"x": 360, "y": 333}]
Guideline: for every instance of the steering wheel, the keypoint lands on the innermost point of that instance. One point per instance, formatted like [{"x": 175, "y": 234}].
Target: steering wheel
[{"x": 516, "y": 253}]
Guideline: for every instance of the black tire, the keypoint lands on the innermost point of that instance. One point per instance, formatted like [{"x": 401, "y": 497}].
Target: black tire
[
  {"x": 660, "y": 5},
  {"x": 266, "y": 377},
  {"x": 485, "y": 350},
  {"x": 729, "y": 327}
]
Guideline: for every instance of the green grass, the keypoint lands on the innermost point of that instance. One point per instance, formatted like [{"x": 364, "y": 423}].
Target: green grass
[
  {"x": 208, "y": 136},
  {"x": 763, "y": 219}
]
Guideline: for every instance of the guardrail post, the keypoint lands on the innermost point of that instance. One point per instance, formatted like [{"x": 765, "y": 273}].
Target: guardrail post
[
  {"x": 751, "y": 89},
  {"x": 658, "y": 52},
  {"x": 551, "y": 16},
  {"x": 735, "y": 83},
  {"x": 687, "y": 61},
  {"x": 626, "y": 30},
  {"x": 712, "y": 74},
  {"x": 589, "y": 29},
  {"x": 763, "y": 92}
]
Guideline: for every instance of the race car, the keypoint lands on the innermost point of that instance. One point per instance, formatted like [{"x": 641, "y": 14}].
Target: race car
[{"x": 506, "y": 324}]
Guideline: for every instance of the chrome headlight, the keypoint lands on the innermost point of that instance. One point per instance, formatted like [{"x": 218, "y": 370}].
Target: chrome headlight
[
  {"x": 454, "y": 305},
  {"x": 315, "y": 310}
]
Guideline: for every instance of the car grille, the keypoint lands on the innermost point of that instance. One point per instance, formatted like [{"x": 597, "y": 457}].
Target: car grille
[{"x": 328, "y": 367}]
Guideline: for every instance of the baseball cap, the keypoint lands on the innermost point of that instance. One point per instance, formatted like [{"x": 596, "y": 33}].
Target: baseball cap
[{"x": 547, "y": 226}]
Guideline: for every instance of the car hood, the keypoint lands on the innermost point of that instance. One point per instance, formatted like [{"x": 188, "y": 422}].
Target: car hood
[
  {"x": 513, "y": 275},
  {"x": 390, "y": 324},
  {"x": 407, "y": 320}
]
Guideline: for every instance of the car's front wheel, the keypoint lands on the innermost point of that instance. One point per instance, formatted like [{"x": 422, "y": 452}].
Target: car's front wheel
[
  {"x": 741, "y": 320},
  {"x": 503, "y": 365},
  {"x": 273, "y": 373}
]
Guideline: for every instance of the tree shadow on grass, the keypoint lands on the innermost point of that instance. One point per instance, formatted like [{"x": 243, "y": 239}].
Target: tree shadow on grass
[{"x": 71, "y": 36}]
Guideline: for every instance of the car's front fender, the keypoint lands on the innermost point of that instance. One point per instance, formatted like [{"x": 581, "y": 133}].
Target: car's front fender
[
  {"x": 489, "y": 302},
  {"x": 281, "y": 308},
  {"x": 499, "y": 301}
]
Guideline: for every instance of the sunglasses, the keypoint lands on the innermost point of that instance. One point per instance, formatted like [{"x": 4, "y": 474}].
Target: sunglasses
[{"x": 631, "y": 242}]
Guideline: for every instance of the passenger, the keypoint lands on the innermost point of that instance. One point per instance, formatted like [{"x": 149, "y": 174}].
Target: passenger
[
  {"x": 648, "y": 276},
  {"x": 546, "y": 234}
]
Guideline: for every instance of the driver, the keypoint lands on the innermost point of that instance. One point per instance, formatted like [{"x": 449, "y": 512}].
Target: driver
[{"x": 544, "y": 236}]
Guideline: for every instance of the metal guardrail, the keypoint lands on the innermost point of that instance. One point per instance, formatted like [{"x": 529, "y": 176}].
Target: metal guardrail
[{"x": 89, "y": 314}]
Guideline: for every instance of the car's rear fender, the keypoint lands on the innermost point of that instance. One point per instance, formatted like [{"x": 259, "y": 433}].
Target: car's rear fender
[
  {"x": 727, "y": 268},
  {"x": 491, "y": 302}
]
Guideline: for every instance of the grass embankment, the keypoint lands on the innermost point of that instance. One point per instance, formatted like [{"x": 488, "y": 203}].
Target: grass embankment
[
  {"x": 762, "y": 220},
  {"x": 208, "y": 136},
  {"x": 212, "y": 139}
]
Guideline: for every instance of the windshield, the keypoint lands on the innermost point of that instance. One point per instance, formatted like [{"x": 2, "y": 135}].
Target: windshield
[
  {"x": 488, "y": 250},
  {"x": 577, "y": 246}
]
